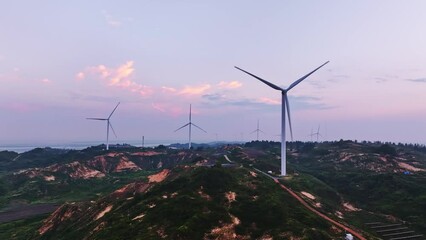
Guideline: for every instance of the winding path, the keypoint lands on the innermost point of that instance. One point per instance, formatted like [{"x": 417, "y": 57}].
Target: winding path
[
  {"x": 353, "y": 232},
  {"x": 298, "y": 198}
]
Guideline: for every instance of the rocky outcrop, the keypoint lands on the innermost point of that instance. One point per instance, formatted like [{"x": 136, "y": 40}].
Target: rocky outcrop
[
  {"x": 91, "y": 214},
  {"x": 97, "y": 167}
]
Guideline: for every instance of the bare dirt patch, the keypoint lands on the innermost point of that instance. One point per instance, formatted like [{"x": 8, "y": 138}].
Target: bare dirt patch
[
  {"x": 105, "y": 211},
  {"x": 231, "y": 196},
  {"x": 339, "y": 214},
  {"x": 408, "y": 167},
  {"x": 138, "y": 217},
  {"x": 350, "y": 208},
  {"x": 146, "y": 154},
  {"x": 308, "y": 195},
  {"x": 159, "y": 177},
  {"x": 126, "y": 164},
  {"x": 226, "y": 231},
  {"x": 49, "y": 178},
  {"x": 135, "y": 187}
]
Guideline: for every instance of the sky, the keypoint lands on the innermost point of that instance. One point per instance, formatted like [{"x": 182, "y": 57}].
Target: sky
[{"x": 61, "y": 62}]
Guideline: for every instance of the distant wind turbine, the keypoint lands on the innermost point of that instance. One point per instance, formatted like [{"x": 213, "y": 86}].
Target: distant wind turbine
[
  {"x": 317, "y": 133},
  {"x": 284, "y": 104},
  {"x": 190, "y": 124},
  {"x": 109, "y": 125},
  {"x": 257, "y": 131}
]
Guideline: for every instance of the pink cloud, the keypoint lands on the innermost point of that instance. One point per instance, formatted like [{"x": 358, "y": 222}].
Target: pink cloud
[
  {"x": 168, "y": 109},
  {"x": 80, "y": 76},
  {"x": 168, "y": 90},
  {"x": 45, "y": 81},
  {"x": 111, "y": 21},
  {"x": 269, "y": 101},
  {"x": 229, "y": 85},
  {"x": 120, "y": 77},
  {"x": 194, "y": 90}
]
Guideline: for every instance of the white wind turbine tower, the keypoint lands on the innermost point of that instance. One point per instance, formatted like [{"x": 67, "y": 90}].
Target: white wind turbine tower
[
  {"x": 257, "y": 131},
  {"x": 109, "y": 125},
  {"x": 190, "y": 124},
  {"x": 284, "y": 104}
]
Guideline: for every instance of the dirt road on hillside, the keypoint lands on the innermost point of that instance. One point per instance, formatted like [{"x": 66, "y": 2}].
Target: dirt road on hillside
[{"x": 347, "y": 229}]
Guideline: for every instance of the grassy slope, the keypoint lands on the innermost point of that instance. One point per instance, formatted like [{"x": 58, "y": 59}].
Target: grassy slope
[
  {"x": 378, "y": 193},
  {"x": 21, "y": 229},
  {"x": 195, "y": 202},
  {"x": 396, "y": 194}
]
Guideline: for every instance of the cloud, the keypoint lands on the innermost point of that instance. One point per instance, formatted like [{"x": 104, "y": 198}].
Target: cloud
[
  {"x": 300, "y": 103},
  {"x": 80, "y": 76},
  {"x": 305, "y": 102},
  {"x": 120, "y": 77},
  {"x": 111, "y": 21},
  {"x": 168, "y": 90},
  {"x": 417, "y": 80},
  {"x": 45, "y": 81},
  {"x": 220, "y": 100},
  {"x": 158, "y": 107},
  {"x": 229, "y": 85},
  {"x": 79, "y": 96},
  {"x": 214, "y": 97},
  {"x": 380, "y": 80},
  {"x": 269, "y": 101},
  {"x": 199, "y": 90},
  {"x": 168, "y": 108}
]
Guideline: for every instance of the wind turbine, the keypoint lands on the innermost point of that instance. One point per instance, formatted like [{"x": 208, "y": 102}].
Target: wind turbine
[
  {"x": 284, "y": 104},
  {"x": 257, "y": 131},
  {"x": 190, "y": 124},
  {"x": 109, "y": 125},
  {"x": 317, "y": 133}
]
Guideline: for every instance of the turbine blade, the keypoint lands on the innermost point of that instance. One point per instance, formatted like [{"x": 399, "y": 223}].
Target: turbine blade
[
  {"x": 113, "y": 110},
  {"x": 262, "y": 80},
  {"x": 262, "y": 131},
  {"x": 253, "y": 131},
  {"x": 181, "y": 127},
  {"x": 112, "y": 129},
  {"x": 101, "y": 119},
  {"x": 198, "y": 127},
  {"x": 289, "y": 118},
  {"x": 318, "y": 129},
  {"x": 303, "y": 78}
]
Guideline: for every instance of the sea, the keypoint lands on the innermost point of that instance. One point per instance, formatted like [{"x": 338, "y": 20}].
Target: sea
[{"x": 25, "y": 147}]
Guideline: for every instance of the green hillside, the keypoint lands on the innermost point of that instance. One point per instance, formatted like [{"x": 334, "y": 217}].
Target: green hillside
[
  {"x": 110, "y": 195},
  {"x": 193, "y": 203}
]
